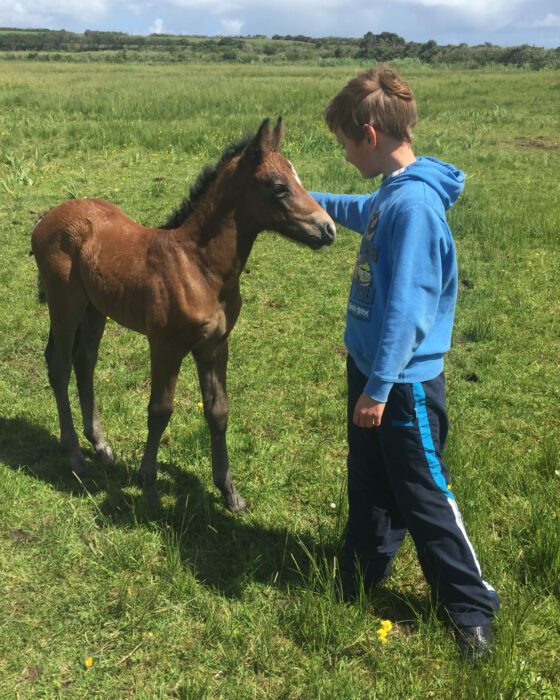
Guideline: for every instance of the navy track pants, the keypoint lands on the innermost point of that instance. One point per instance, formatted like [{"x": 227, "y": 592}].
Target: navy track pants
[{"x": 397, "y": 482}]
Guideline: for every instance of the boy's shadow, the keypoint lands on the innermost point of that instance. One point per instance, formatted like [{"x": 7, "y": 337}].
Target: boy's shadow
[{"x": 224, "y": 551}]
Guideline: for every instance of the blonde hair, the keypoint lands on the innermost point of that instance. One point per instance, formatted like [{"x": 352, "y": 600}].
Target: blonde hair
[{"x": 378, "y": 97}]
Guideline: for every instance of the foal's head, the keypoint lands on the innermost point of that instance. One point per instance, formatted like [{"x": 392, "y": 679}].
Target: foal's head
[{"x": 274, "y": 198}]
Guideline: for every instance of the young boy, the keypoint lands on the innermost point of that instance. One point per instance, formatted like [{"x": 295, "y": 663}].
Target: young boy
[{"x": 399, "y": 321}]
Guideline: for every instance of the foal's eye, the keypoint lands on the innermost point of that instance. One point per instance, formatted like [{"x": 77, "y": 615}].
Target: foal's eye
[{"x": 279, "y": 189}]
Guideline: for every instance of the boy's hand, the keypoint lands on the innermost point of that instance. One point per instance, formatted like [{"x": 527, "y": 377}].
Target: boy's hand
[{"x": 368, "y": 412}]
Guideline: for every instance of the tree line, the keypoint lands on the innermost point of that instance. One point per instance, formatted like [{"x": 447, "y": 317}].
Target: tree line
[{"x": 45, "y": 44}]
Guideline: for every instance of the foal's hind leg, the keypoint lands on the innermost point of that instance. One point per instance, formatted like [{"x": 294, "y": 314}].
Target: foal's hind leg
[
  {"x": 212, "y": 369},
  {"x": 58, "y": 355},
  {"x": 86, "y": 347}
]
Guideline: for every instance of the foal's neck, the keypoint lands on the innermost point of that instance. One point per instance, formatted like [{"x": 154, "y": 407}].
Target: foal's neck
[{"x": 221, "y": 235}]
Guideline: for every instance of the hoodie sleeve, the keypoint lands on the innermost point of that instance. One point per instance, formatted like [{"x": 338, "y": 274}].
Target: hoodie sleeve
[
  {"x": 418, "y": 244},
  {"x": 352, "y": 211}
]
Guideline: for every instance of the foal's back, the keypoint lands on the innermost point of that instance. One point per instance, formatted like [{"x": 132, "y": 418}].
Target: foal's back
[{"x": 89, "y": 249}]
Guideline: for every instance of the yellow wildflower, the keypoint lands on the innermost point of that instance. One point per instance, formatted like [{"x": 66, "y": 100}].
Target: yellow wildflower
[
  {"x": 89, "y": 662},
  {"x": 383, "y": 631}
]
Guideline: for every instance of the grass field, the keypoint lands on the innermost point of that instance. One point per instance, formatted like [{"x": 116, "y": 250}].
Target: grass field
[{"x": 100, "y": 600}]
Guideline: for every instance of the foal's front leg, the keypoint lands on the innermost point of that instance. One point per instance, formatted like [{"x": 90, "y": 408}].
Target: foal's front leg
[
  {"x": 212, "y": 368},
  {"x": 165, "y": 363}
]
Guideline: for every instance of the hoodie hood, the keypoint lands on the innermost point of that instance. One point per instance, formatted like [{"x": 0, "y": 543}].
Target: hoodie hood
[{"x": 443, "y": 178}]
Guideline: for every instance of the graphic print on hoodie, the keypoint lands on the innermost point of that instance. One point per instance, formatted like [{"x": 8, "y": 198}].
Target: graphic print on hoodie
[
  {"x": 362, "y": 283},
  {"x": 402, "y": 299}
]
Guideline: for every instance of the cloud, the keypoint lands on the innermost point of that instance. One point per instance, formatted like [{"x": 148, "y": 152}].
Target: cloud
[
  {"x": 215, "y": 7},
  {"x": 44, "y": 13},
  {"x": 549, "y": 21},
  {"x": 157, "y": 27},
  {"x": 474, "y": 8},
  {"x": 232, "y": 26}
]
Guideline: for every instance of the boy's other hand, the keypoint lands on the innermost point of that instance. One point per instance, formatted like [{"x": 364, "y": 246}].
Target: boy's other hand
[{"x": 368, "y": 412}]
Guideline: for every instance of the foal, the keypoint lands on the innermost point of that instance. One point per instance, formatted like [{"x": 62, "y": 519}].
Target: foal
[{"x": 178, "y": 285}]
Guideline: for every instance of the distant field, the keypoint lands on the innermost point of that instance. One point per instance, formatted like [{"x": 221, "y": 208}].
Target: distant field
[{"x": 202, "y": 604}]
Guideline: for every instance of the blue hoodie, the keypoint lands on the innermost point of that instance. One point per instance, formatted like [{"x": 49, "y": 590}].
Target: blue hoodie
[{"x": 402, "y": 300}]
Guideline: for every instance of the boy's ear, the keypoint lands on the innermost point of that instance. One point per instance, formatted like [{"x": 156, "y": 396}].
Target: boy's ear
[{"x": 370, "y": 135}]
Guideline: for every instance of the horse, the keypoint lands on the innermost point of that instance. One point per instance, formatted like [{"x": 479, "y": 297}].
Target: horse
[{"x": 177, "y": 284}]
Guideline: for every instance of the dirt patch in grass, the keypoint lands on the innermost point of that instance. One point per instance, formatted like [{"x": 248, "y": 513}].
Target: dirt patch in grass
[{"x": 540, "y": 142}]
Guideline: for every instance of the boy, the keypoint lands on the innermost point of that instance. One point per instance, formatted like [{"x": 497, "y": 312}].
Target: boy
[{"x": 399, "y": 321}]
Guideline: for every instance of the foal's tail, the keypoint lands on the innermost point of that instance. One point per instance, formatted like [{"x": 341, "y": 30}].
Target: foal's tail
[{"x": 41, "y": 294}]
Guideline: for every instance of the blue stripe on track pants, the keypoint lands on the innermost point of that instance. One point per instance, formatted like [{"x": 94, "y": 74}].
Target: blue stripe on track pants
[{"x": 397, "y": 482}]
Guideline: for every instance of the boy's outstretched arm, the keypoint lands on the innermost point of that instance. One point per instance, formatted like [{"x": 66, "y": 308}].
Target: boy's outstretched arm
[{"x": 351, "y": 211}]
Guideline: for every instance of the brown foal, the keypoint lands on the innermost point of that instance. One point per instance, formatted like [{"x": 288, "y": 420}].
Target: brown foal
[{"x": 178, "y": 285}]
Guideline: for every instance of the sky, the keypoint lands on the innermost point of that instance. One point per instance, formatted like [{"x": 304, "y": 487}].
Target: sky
[{"x": 500, "y": 22}]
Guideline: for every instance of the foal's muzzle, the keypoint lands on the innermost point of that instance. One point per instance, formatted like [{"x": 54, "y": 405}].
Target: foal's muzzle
[
  {"x": 328, "y": 233},
  {"x": 326, "y": 237}
]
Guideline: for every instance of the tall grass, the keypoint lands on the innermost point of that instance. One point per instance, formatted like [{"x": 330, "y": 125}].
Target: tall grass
[{"x": 201, "y": 604}]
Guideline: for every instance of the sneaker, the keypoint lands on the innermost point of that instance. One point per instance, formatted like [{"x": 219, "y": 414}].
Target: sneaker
[{"x": 476, "y": 643}]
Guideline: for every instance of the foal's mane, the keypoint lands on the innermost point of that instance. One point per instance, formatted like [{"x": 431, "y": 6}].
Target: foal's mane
[{"x": 202, "y": 182}]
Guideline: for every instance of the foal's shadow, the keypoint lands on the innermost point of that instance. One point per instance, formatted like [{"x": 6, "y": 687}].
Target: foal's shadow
[
  {"x": 32, "y": 449},
  {"x": 224, "y": 551}
]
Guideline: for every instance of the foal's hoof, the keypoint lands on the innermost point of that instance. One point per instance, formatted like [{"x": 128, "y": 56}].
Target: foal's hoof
[
  {"x": 79, "y": 467},
  {"x": 152, "y": 498},
  {"x": 147, "y": 482},
  {"x": 238, "y": 505},
  {"x": 105, "y": 453}
]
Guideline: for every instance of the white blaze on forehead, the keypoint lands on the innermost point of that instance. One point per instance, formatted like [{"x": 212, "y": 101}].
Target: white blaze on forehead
[{"x": 295, "y": 174}]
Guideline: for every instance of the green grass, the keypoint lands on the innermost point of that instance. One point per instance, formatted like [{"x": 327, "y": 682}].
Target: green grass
[{"x": 202, "y": 604}]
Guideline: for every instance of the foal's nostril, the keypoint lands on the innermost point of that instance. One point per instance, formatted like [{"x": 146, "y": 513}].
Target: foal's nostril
[{"x": 329, "y": 232}]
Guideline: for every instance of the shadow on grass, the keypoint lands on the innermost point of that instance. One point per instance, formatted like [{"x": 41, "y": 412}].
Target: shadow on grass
[{"x": 224, "y": 551}]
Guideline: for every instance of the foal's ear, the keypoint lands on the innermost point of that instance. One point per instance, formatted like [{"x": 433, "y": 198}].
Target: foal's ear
[
  {"x": 278, "y": 134},
  {"x": 265, "y": 141}
]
